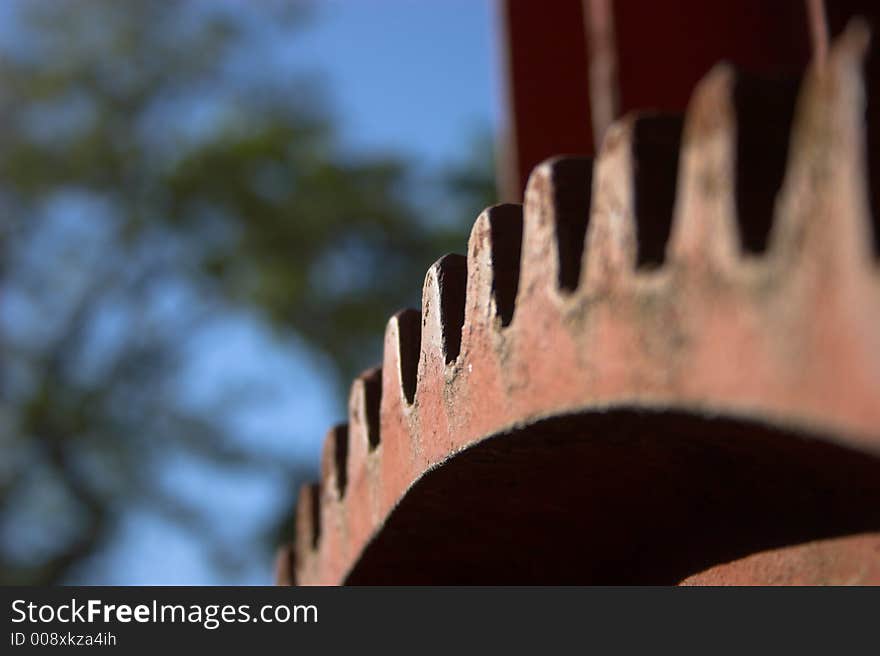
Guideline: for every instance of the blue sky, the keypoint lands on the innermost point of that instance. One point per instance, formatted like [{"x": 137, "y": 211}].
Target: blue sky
[
  {"x": 416, "y": 78},
  {"x": 412, "y": 76}
]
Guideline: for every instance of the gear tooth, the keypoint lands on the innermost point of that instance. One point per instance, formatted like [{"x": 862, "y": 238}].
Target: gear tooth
[
  {"x": 764, "y": 111},
  {"x": 403, "y": 338},
  {"x": 555, "y": 217},
  {"x": 308, "y": 520},
  {"x": 633, "y": 196},
  {"x": 443, "y": 302},
  {"x": 736, "y": 139},
  {"x": 704, "y": 220},
  {"x": 656, "y": 146},
  {"x": 494, "y": 250},
  {"x": 334, "y": 460},
  {"x": 364, "y": 411},
  {"x": 823, "y": 210},
  {"x": 285, "y": 565}
]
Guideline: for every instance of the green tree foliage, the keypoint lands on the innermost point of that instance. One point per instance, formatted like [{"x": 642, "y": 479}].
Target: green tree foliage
[{"x": 153, "y": 178}]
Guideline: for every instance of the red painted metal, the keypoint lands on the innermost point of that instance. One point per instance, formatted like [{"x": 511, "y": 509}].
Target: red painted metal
[
  {"x": 633, "y": 362},
  {"x": 665, "y": 48},
  {"x": 544, "y": 52},
  {"x": 572, "y": 66}
]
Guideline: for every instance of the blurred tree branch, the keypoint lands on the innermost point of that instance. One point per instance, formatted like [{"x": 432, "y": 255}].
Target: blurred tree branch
[{"x": 134, "y": 161}]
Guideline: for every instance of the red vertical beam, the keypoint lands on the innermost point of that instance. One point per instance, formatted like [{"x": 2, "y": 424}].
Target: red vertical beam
[
  {"x": 571, "y": 66},
  {"x": 664, "y": 48},
  {"x": 544, "y": 53}
]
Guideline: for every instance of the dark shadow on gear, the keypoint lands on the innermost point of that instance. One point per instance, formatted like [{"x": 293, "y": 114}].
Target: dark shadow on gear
[{"x": 620, "y": 497}]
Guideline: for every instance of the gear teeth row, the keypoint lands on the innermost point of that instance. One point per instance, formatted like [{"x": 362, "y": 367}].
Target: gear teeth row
[{"x": 721, "y": 263}]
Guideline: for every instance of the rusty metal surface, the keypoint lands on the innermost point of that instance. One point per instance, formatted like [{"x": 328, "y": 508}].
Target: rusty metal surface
[
  {"x": 619, "y": 287},
  {"x": 848, "y": 560}
]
